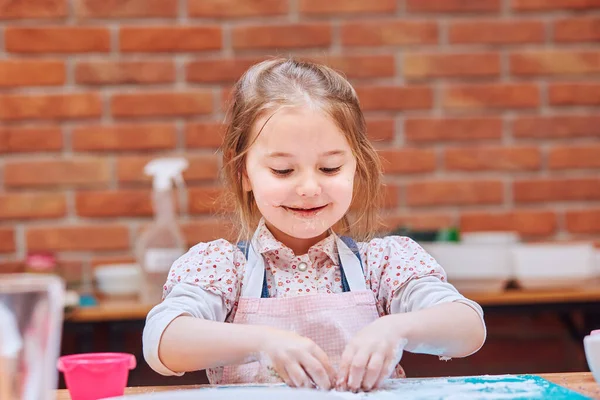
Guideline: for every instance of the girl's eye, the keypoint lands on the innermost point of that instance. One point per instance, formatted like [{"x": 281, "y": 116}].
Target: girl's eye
[
  {"x": 331, "y": 170},
  {"x": 282, "y": 172}
]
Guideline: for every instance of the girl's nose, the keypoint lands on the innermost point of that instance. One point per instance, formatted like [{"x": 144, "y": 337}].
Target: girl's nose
[{"x": 308, "y": 187}]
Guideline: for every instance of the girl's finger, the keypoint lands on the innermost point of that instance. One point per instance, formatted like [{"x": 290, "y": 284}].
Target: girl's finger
[
  {"x": 322, "y": 357},
  {"x": 386, "y": 370},
  {"x": 341, "y": 382},
  {"x": 316, "y": 371},
  {"x": 297, "y": 375},
  {"x": 279, "y": 369},
  {"x": 358, "y": 367},
  {"x": 373, "y": 371}
]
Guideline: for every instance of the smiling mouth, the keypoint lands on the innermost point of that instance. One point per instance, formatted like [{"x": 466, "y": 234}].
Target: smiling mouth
[{"x": 305, "y": 211}]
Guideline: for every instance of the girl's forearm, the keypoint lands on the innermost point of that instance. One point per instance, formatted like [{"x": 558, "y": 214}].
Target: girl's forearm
[
  {"x": 191, "y": 344},
  {"x": 450, "y": 330}
]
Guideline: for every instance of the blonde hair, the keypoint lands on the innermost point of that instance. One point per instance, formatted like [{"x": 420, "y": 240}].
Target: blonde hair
[{"x": 279, "y": 82}]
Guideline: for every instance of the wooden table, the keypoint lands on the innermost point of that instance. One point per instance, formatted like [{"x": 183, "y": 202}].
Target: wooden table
[
  {"x": 131, "y": 309},
  {"x": 581, "y": 382}
]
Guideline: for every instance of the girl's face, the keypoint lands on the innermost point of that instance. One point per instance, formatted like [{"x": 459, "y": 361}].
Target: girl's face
[{"x": 301, "y": 172}]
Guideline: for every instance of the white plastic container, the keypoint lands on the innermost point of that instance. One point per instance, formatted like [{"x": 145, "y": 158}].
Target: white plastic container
[
  {"x": 554, "y": 265},
  {"x": 500, "y": 237},
  {"x": 118, "y": 279},
  {"x": 474, "y": 267},
  {"x": 591, "y": 344}
]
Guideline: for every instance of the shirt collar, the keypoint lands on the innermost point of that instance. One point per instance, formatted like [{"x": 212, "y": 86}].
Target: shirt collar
[{"x": 267, "y": 243}]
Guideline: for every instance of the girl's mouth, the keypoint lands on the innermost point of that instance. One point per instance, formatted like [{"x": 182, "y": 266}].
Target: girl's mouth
[{"x": 305, "y": 212}]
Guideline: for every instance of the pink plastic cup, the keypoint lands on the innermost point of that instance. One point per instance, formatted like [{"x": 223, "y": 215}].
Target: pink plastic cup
[{"x": 94, "y": 376}]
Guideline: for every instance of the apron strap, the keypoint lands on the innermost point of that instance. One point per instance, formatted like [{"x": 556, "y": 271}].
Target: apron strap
[
  {"x": 243, "y": 246},
  {"x": 352, "y": 246}
]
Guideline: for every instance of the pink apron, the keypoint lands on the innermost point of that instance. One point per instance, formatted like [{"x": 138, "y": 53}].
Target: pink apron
[{"x": 330, "y": 320}]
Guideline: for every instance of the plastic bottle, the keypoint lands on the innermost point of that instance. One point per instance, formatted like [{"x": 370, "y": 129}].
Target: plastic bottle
[{"x": 162, "y": 242}]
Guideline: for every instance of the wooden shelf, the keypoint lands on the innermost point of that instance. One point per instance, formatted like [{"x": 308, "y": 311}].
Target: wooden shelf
[{"x": 130, "y": 309}]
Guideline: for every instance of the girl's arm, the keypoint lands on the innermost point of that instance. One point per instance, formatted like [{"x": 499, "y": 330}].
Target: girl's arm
[
  {"x": 191, "y": 344},
  {"x": 450, "y": 330}
]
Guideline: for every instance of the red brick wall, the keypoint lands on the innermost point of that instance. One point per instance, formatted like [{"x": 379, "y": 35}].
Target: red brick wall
[{"x": 486, "y": 111}]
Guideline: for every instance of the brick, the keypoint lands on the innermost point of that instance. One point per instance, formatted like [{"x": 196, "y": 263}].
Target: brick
[
  {"x": 85, "y": 9},
  {"x": 427, "y": 66},
  {"x": 124, "y": 137},
  {"x": 80, "y": 172},
  {"x": 493, "y": 31},
  {"x": 130, "y": 169},
  {"x": 576, "y": 93},
  {"x": 408, "y": 161},
  {"x": 57, "y": 39},
  {"x": 49, "y": 106},
  {"x": 7, "y": 240},
  {"x": 380, "y": 33},
  {"x": 485, "y": 96},
  {"x": 204, "y": 134},
  {"x": 556, "y": 189},
  {"x": 225, "y": 99},
  {"x": 124, "y": 72},
  {"x": 449, "y": 193},
  {"x": 417, "y": 220},
  {"x": 583, "y": 221},
  {"x": 154, "y": 39},
  {"x": 114, "y": 203},
  {"x": 547, "y": 5},
  {"x": 492, "y": 159},
  {"x": 169, "y": 104},
  {"x": 380, "y": 129},
  {"x": 40, "y": 9},
  {"x": 32, "y": 205},
  {"x": 569, "y": 157},
  {"x": 206, "y": 200},
  {"x": 77, "y": 238},
  {"x": 295, "y": 35},
  {"x": 555, "y": 62},
  {"x": 525, "y": 222},
  {"x": 236, "y": 8},
  {"x": 360, "y": 66},
  {"x": 23, "y": 140},
  {"x": 395, "y": 97},
  {"x": 585, "y": 29},
  {"x": 229, "y": 70},
  {"x": 556, "y": 126},
  {"x": 451, "y": 6},
  {"x": 423, "y": 130},
  {"x": 15, "y": 73},
  {"x": 344, "y": 7},
  {"x": 206, "y": 230}
]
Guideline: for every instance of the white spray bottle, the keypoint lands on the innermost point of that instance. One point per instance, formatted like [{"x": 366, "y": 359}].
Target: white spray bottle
[{"x": 163, "y": 242}]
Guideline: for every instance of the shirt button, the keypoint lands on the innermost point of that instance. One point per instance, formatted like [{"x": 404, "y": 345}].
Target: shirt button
[{"x": 302, "y": 266}]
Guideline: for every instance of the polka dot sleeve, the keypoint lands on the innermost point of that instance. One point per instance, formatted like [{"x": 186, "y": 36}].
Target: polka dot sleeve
[
  {"x": 391, "y": 262},
  {"x": 213, "y": 266}
]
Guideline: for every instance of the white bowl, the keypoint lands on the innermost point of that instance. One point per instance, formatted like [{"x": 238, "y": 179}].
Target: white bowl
[
  {"x": 118, "y": 279},
  {"x": 591, "y": 344},
  {"x": 554, "y": 265},
  {"x": 506, "y": 238},
  {"x": 473, "y": 267}
]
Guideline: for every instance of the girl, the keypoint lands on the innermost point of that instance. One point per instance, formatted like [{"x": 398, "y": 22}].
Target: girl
[{"x": 300, "y": 303}]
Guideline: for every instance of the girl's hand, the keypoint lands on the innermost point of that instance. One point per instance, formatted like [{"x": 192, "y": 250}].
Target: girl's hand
[
  {"x": 297, "y": 360},
  {"x": 371, "y": 356}
]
